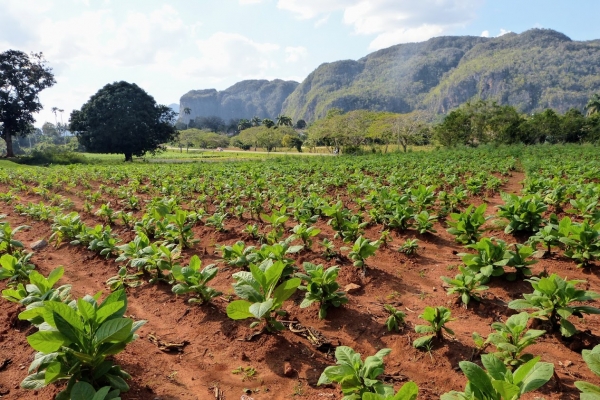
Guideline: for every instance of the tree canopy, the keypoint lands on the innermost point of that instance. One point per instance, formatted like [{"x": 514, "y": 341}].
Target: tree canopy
[
  {"x": 122, "y": 118},
  {"x": 22, "y": 78}
]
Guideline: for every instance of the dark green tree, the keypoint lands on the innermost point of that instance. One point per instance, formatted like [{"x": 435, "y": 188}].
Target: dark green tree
[
  {"x": 268, "y": 123},
  {"x": 300, "y": 124},
  {"x": 284, "y": 120},
  {"x": 593, "y": 105},
  {"x": 22, "y": 78},
  {"x": 244, "y": 124},
  {"x": 123, "y": 118}
]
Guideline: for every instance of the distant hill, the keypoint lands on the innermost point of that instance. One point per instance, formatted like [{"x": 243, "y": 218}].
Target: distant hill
[
  {"x": 174, "y": 107},
  {"x": 534, "y": 70},
  {"x": 245, "y": 99}
]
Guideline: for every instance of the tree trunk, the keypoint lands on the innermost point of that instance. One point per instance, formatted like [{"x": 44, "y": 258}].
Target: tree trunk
[
  {"x": 9, "y": 144},
  {"x": 129, "y": 157}
]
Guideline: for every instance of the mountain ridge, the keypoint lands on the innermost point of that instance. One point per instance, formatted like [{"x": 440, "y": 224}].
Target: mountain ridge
[{"x": 533, "y": 70}]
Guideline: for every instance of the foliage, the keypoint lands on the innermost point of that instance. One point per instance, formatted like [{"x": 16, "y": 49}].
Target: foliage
[
  {"x": 16, "y": 270},
  {"x": 497, "y": 382},
  {"x": 124, "y": 279},
  {"x": 523, "y": 213},
  {"x": 556, "y": 299},
  {"x": 409, "y": 247},
  {"x": 322, "y": 287},
  {"x": 465, "y": 284},
  {"x": 356, "y": 376},
  {"x": 396, "y": 318},
  {"x": 511, "y": 338},
  {"x": 194, "y": 280},
  {"x": 488, "y": 261},
  {"x": 39, "y": 289},
  {"x": 22, "y": 78},
  {"x": 437, "y": 317},
  {"x": 361, "y": 250},
  {"x": 77, "y": 342},
  {"x": 122, "y": 118},
  {"x": 588, "y": 390},
  {"x": 262, "y": 298},
  {"x": 465, "y": 226}
]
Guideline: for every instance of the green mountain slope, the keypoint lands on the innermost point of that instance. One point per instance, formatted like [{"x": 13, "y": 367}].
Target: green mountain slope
[{"x": 537, "y": 69}]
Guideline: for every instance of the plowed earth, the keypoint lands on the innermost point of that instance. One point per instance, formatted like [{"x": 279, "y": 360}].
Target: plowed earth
[{"x": 287, "y": 365}]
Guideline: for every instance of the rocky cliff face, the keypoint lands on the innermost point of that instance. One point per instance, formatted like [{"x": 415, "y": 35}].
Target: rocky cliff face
[
  {"x": 537, "y": 69},
  {"x": 245, "y": 99}
]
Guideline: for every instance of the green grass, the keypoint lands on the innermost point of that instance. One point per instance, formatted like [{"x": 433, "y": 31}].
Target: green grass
[{"x": 9, "y": 164}]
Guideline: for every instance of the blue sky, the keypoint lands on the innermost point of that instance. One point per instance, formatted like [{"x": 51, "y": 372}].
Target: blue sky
[{"x": 171, "y": 47}]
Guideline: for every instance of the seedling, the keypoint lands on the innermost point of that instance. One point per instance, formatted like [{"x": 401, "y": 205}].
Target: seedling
[
  {"x": 193, "y": 280},
  {"x": 437, "y": 318},
  {"x": 409, "y": 247},
  {"x": 395, "y": 322},
  {"x": 588, "y": 390},
  {"x": 466, "y": 226},
  {"x": 465, "y": 284},
  {"x": 321, "y": 287}
]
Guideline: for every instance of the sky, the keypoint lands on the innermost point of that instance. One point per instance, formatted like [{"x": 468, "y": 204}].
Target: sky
[{"x": 171, "y": 47}]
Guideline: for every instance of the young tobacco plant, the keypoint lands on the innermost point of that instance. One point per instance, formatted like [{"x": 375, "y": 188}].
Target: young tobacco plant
[
  {"x": 511, "y": 338},
  {"x": 466, "y": 226},
  {"x": 409, "y": 247},
  {"x": 488, "y": 259},
  {"x": 262, "y": 297},
  {"x": 523, "y": 213},
  {"x": 437, "y": 317},
  {"x": 582, "y": 242},
  {"x": 396, "y": 319},
  {"x": 237, "y": 255},
  {"x": 8, "y": 243},
  {"x": 77, "y": 342},
  {"x": 322, "y": 287},
  {"x": 556, "y": 299},
  {"x": 16, "y": 270},
  {"x": 39, "y": 289},
  {"x": 85, "y": 391},
  {"x": 358, "y": 378},
  {"x": 361, "y": 250},
  {"x": 424, "y": 222},
  {"x": 306, "y": 233},
  {"x": 465, "y": 285},
  {"x": 124, "y": 279},
  {"x": 497, "y": 382},
  {"x": 588, "y": 390},
  {"x": 193, "y": 280}
]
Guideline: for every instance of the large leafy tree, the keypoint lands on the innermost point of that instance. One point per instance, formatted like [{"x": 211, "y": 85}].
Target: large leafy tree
[
  {"x": 123, "y": 118},
  {"x": 22, "y": 78}
]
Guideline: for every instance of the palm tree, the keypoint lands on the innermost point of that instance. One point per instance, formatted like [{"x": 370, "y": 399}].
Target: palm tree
[
  {"x": 268, "y": 123},
  {"x": 187, "y": 111},
  {"x": 255, "y": 121},
  {"x": 244, "y": 124},
  {"x": 284, "y": 120},
  {"x": 593, "y": 105}
]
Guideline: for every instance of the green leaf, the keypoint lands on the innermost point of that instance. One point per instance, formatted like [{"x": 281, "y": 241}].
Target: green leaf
[
  {"x": 55, "y": 275},
  {"x": 70, "y": 332},
  {"x": 34, "y": 381},
  {"x": 114, "y": 330},
  {"x": 344, "y": 355},
  {"x": 87, "y": 311},
  {"x": 239, "y": 309},
  {"x": 494, "y": 366},
  {"x": 592, "y": 359},
  {"x": 109, "y": 310},
  {"x": 507, "y": 390},
  {"x": 285, "y": 290},
  {"x": 66, "y": 312},
  {"x": 588, "y": 388},
  {"x": 422, "y": 341},
  {"x": 82, "y": 391},
  {"x": 409, "y": 391},
  {"x": 260, "y": 309},
  {"x": 477, "y": 376},
  {"x": 533, "y": 375},
  {"x": 52, "y": 372},
  {"x": 47, "y": 341}
]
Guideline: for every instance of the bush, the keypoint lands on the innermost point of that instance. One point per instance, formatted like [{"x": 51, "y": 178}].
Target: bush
[{"x": 52, "y": 154}]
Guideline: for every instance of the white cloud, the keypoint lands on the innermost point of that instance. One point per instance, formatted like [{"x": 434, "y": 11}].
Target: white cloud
[
  {"x": 392, "y": 21},
  {"x": 322, "y": 21},
  {"x": 230, "y": 54},
  {"x": 503, "y": 32},
  {"x": 485, "y": 33},
  {"x": 245, "y": 2},
  {"x": 295, "y": 54}
]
